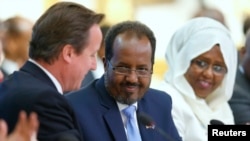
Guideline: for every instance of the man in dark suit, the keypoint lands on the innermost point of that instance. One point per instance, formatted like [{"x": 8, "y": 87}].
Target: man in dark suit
[
  {"x": 62, "y": 50},
  {"x": 129, "y": 59},
  {"x": 240, "y": 101}
]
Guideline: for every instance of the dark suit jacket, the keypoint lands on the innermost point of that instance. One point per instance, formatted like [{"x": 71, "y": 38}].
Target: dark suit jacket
[
  {"x": 100, "y": 118},
  {"x": 30, "y": 89},
  {"x": 240, "y": 101}
]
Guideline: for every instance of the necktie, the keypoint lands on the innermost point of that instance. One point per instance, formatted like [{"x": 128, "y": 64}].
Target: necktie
[{"x": 132, "y": 131}]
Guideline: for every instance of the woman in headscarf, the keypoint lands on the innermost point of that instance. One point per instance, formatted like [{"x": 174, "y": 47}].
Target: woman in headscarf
[{"x": 202, "y": 62}]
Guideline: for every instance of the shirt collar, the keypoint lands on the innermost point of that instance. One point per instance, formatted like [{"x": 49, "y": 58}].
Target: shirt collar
[
  {"x": 123, "y": 106},
  {"x": 53, "y": 79}
]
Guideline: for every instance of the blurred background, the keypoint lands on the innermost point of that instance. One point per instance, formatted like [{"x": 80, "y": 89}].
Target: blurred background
[{"x": 162, "y": 16}]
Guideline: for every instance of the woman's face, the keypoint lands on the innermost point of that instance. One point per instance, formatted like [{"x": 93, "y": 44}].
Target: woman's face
[{"x": 206, "y": 72}]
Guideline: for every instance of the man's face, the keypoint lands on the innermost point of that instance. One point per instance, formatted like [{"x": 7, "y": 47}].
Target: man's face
[
  {"x": 128, "y": 73},
  {"x": 86, "y": 61}
]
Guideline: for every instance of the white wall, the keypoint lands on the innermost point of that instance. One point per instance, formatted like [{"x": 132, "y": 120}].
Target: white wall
[{"x": 31, "y": 9}]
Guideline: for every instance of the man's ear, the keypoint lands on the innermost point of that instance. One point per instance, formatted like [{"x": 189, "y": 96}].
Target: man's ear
[{"x": 68, "y": 52}]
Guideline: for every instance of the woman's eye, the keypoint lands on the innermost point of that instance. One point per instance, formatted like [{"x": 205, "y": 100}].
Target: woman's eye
[
  {"x": 201, "y": 63},
  {"x": 218, "y": 68}
]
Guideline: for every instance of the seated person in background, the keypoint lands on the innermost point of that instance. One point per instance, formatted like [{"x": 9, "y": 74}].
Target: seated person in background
[
  {"x": 202, "y": 63},
  {"x": 242, "y": 49},
  {"x": 211, "y": 13},
  {"x": 240, "y": 101},
  {"x": 129, "y": 60},
  {"x": 16, "y": 38},
  {"x": 3, "y": 74},
  {"x": 25, "y": 130}
]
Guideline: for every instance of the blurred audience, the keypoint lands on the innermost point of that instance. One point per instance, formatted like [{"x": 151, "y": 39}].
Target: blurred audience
[
  {"x": 16, "y": 38},
  {"x": 1, "y": 29},
  {"x": 202, "y": 63},
  {"x": 246, "y": 27},
  {"x": 240, "y": 101},
  {"x": 211, "y": 13},
  {"x": 93, "y": 74},
  {"x": 2, "y": 74}
]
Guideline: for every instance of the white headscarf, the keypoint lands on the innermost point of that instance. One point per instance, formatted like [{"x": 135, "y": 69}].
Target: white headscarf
[{"x": 196, "y": 37}]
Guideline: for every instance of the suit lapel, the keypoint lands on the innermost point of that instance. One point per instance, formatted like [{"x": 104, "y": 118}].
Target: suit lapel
[
  {"x": 111, "y": 112},
  {"x": 115, "y": 124},
  {"x": 147, "y": 134}
]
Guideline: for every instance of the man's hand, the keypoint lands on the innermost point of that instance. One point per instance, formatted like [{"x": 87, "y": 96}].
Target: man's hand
[{"x": 25, "y": 130}]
